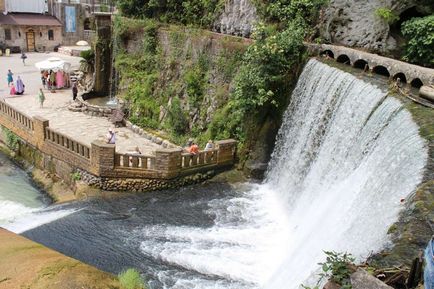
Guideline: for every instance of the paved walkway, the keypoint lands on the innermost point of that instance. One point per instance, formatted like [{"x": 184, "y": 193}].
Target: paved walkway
[{"x": 79, "y": 126}]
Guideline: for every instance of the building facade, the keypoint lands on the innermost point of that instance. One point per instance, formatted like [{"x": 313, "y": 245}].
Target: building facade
[
  {"x": 43, "y": 25},
  {"x": 26, "y": 26}
]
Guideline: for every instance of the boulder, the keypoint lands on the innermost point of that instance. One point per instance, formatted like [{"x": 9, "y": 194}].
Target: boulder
[
  {"x": 356, "y": 23},
  {"x": 362, "y": 280}
]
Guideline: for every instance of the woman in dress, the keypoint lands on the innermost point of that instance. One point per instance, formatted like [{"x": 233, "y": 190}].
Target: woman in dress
[{"x": 20, "y": 86}]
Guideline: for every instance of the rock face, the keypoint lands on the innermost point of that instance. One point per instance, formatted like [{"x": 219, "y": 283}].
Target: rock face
[
  {"x": 362, "y": 280},
  {"x": 355, "y": 23},
  {"x": 237, "y": 19}
]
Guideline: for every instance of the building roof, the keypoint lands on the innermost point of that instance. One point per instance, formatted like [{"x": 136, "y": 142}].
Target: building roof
[{"x": 28, "y": 19}]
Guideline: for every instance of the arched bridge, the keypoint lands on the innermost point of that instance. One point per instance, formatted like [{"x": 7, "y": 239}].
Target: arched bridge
[{"x": 415, "y": 75}]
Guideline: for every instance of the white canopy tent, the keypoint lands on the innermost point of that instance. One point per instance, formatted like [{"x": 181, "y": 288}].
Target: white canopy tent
[{"x": 53, "y": 63}]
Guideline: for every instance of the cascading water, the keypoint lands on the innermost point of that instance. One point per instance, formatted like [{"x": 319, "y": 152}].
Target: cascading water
[{"x": 345, "y": 156}]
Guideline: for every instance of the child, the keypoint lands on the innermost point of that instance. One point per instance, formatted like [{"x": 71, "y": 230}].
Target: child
[{"x": 41, "y": 97}]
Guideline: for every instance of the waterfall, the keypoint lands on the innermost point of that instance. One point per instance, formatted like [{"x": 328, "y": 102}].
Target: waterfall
[{"x": 345, "y": 156}]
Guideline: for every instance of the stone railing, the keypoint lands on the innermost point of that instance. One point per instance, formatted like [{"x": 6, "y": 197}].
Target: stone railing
[
  {"x": 134, "y": 161},
  {"x": 67, "y": 143},
  {"x": 17, "y": 117},
  {"x": 101, "y": 159}
]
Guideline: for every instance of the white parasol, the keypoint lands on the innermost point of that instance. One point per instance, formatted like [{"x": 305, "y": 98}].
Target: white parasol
[
  {"x": 53, "y": 63},
  {"x": 82, "y": 43}
]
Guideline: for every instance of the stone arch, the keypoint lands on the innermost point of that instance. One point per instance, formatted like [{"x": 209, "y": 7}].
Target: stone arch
[
  {"x": 416, "y": 83},
  {"x": 401, "y": 77},
  {"x": 327, "y": 53},
  {"x": 381, "y": 70},
  {"x": 361, "y": 64},
  {"x": 343, "y": 58}
]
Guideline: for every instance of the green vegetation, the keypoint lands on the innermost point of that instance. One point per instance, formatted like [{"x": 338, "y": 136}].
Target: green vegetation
[
  {"x": 263, "y": 79},
  {"x": 12, "y": 140},
  {"x": 169, "y": 84},
  {"x": 420, "y": 35},
  {"x": 282, "y": 12},
  {"x": 387, "y": 15},
  {"x": 76, "y": 176},
  {"x": 336, "y": 268},
  {"x": 131, "y": 279},
  {"x": 200, "y": 13},
  {"x": 88, "y": 61},
  {"x": 187, "y": 82}
]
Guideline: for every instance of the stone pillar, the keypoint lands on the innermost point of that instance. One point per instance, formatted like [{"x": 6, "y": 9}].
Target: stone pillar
[
  {"x": 102, "y": 158},
  {"x": 103, "y": 58},
  {"x": 39, "y": 126},
  {"x": 168, "y": 162},
  {"x": 226, "y": 151}
]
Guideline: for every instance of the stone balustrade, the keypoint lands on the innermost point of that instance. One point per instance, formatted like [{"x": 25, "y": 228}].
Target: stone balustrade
[{"x": 101, "y": 160}]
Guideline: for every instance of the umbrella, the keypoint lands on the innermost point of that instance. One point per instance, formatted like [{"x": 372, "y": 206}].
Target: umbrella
[
  {"x": 82, "y": 43},
  {"x": 53, "y": 63}
]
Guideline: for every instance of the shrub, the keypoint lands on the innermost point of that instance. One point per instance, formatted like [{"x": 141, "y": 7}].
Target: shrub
[
  {"x": 177, "y": 119},
  {"x": 12, "y": 140},
  {"x": 336, "y": 268},
  {"x": 76, "y": 176},
  {"x": 420, "y": 35},
  {"x": 88, "y": 61},
  {"x": 197, "y": 12},
  {"x": 387, "y": 15},
  {"x": 131, "y": 279}
]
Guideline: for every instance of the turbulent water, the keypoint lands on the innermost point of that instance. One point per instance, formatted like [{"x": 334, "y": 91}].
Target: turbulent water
[
  {"x": 345, "y": 157},
  {"x": 17, "y": 196}
]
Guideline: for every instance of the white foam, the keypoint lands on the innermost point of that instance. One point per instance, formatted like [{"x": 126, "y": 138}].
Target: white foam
[
  {"x": 35, "y": 219},
  {"x": 10, "y": 210}
]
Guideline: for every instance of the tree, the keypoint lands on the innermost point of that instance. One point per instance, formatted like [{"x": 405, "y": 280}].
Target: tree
[{"x": 420, "y": 35}]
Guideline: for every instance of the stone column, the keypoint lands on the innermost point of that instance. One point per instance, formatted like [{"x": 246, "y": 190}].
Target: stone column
[
  {"x": 102, "y": 158},
  {"x": 226, "y": 151},
  {"x": 39, "y": 126},
  {"x": 168, "y": 162},
  {"x": 103, "y": 58}
]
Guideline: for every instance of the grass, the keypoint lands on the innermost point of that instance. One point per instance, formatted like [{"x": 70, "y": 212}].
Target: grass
[{"x": 131, "y": 279}]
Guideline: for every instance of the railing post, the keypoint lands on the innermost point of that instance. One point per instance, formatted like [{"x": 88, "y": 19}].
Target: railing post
[
  {"x": 168, "y": 162},
  {"x": 102, "y": 158},
  {"x": 226, "y": 151},
  {"x": 39, "y": 127}
]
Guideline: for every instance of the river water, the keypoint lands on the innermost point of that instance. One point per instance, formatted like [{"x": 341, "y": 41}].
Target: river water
[{"x": 345, "y": 156}]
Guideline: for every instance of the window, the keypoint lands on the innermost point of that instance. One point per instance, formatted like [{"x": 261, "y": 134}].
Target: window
[
  {"x": 8, "y": 34},
  {"x": 19, "y": 34},
  {"x": 50, "y": 34}
]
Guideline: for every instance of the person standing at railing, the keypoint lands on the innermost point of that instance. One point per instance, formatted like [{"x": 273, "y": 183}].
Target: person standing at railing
[
  {"x": 41, "y": 97},
  {"x": 194, "y": 149},
  {"x": 111, "y": 136},
  {"x": 209, "y": 146}
]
